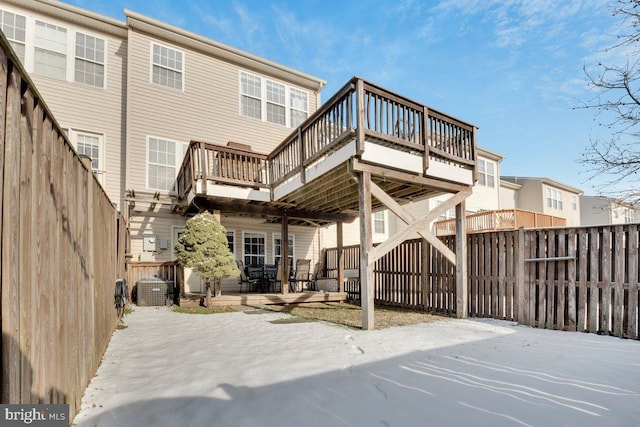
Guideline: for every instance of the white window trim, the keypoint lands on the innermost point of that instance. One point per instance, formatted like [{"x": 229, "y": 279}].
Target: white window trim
[
  {"x": 291, "y": 250},
  {"x": 104, "y": 64},
  {"x": 554, "y": 197},
  {"x": 26, "y": 30},
  {"x": 486, "y": 174},
  {"x": 179, "y": 157},
  {"x": 263, "y": 98},
  {"x": 385, "y": 220},
  {"x": 30, "y": 45},
  {"x": 151, "y": 64},
  {"x": 266, "y": 247},
  {"x": 72, "y": 134},
  {"x": 235, "y": 241}
]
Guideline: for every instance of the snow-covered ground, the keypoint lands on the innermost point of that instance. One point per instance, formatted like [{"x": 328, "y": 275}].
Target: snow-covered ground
[{"x": 240, "y": 369}]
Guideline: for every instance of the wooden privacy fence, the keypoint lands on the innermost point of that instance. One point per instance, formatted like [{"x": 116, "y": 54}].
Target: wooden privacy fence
[
  {"x": 574, "y": 279},
  {"x": 63, "y": 246}
]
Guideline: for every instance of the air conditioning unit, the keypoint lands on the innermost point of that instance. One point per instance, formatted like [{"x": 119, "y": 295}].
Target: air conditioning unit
[{"x": 155, "y": 292}]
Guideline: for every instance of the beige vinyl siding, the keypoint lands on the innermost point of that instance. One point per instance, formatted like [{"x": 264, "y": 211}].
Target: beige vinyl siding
[
  {"x": 508, "y": 198},
  {"x": 88, "y": 108},
  {"x": 207, "y": 109}
]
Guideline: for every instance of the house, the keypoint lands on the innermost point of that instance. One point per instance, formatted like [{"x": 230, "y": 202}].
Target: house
[
  {"x": 514, "y": 202},
  {"x": 599, "y": 210},
  {"x": 548, "y": 196},
  {"x": 176, "y": 123}
]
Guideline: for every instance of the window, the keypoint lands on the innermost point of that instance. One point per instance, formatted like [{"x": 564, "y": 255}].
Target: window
[
  {"x": 231, "y": 241},
  {"x": 554, "y": 198},
  {"x": 273, "y": 102},
  {"x": 299, "y": 106},
  {"x": 251, "y": 92},
  {"x": 163, "y": 160},
  {"x": 167, "y": 67},
  {"x": 574, "y": 203},
  {"x": 486, "y": 173},
  {"x": 89, "y": 145},
  {"x": 14, "y": 28},
  {"x": 50, "y": 50},
  {"x": 277, "y": 247},
  {"x": 276, "y": 103},
  {"x": 380, "y": 222},
  {"x": 448, "y": 214},
  {"x": 628, "y": 215},
  {"x": 254, "y": 248},
  {"x": 89, "y": 62}
]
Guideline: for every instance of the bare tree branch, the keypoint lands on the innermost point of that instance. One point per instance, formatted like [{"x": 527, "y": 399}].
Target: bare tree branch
[{"x": 617, "y": 106}]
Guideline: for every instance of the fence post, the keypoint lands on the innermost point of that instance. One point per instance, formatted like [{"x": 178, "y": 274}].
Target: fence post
[
  {"x": 519, "y": 286},
  {"x": 462, "y": 279}
]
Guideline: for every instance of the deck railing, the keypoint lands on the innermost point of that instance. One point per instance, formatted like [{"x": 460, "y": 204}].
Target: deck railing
[
  {"x": 380, "y": 115},
  {"x": 505, "y": 219},
  {"x": 218, "y": 164}
]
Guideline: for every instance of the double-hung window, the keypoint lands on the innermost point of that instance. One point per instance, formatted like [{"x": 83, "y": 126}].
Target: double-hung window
[
  {"x": 271, "y": 101},
  {"x": 89, "y": 60},
  {"x": 486, "y": 173},
  {"x": 299, "y": 106},
  {"x": 50, "y": 57},
  {"x": 163, "y": 160},
  {"x": 89, "y": 145},
  {"x": 276, "y": 103},
  {"x": 251, "y": 94},
  {"x": 14, "y": 28},
  {"x": 554, "y": 198},
  {"x": 380, "y": 222},
  {"x": 254, "y": 248},
  {"x": 167, "y": 67}
]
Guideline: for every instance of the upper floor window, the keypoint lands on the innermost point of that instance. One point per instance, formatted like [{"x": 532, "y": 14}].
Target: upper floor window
[
  {"x": 50, "y": 57},
  {"x": 574, "y": 203},
  {"x": 163, "y": 160},
  {"x": 276, "y": 100},
  {"x": 628, "y": 215},
  {"x": 271, "y": 101},
  {"x": 14, "y": 28},
  {"x": 486, "y": 173},
  {"x": 554, "y": 198},
  {"x": 89, "y": 61},
  {"x": 167, "y": 66},
  {"x": 299, "y": 106}
]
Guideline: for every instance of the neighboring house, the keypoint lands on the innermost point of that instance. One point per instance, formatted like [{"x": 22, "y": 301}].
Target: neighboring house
[
  {"x": 549, "y": 197},
  {"x": 598, "y": 210},
  {"x": 175, "y": 123}
]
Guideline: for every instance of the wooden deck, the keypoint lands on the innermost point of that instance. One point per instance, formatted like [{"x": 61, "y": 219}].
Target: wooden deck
[
  {"x": 251, "y": 299},
  {"x": 505, "y": 219},
  {"x": 411, "y": 151}
]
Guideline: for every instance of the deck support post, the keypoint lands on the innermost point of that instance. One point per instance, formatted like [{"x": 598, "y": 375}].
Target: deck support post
[
  {"x": 462, "y": 296},
  {"x": 340, "y": 256},
  {"x": 366, "y": 245},
  {"x": 284, "y": 255}
]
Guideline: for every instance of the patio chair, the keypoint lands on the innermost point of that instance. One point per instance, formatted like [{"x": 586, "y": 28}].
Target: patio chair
[
  {"x": 301, "y": 276},
  {"x": 244, "y": 280},
  {"x": 256, "y": 272}
]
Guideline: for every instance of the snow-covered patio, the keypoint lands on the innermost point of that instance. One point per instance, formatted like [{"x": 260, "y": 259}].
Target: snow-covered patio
[{"x": 242, "y": 369}]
